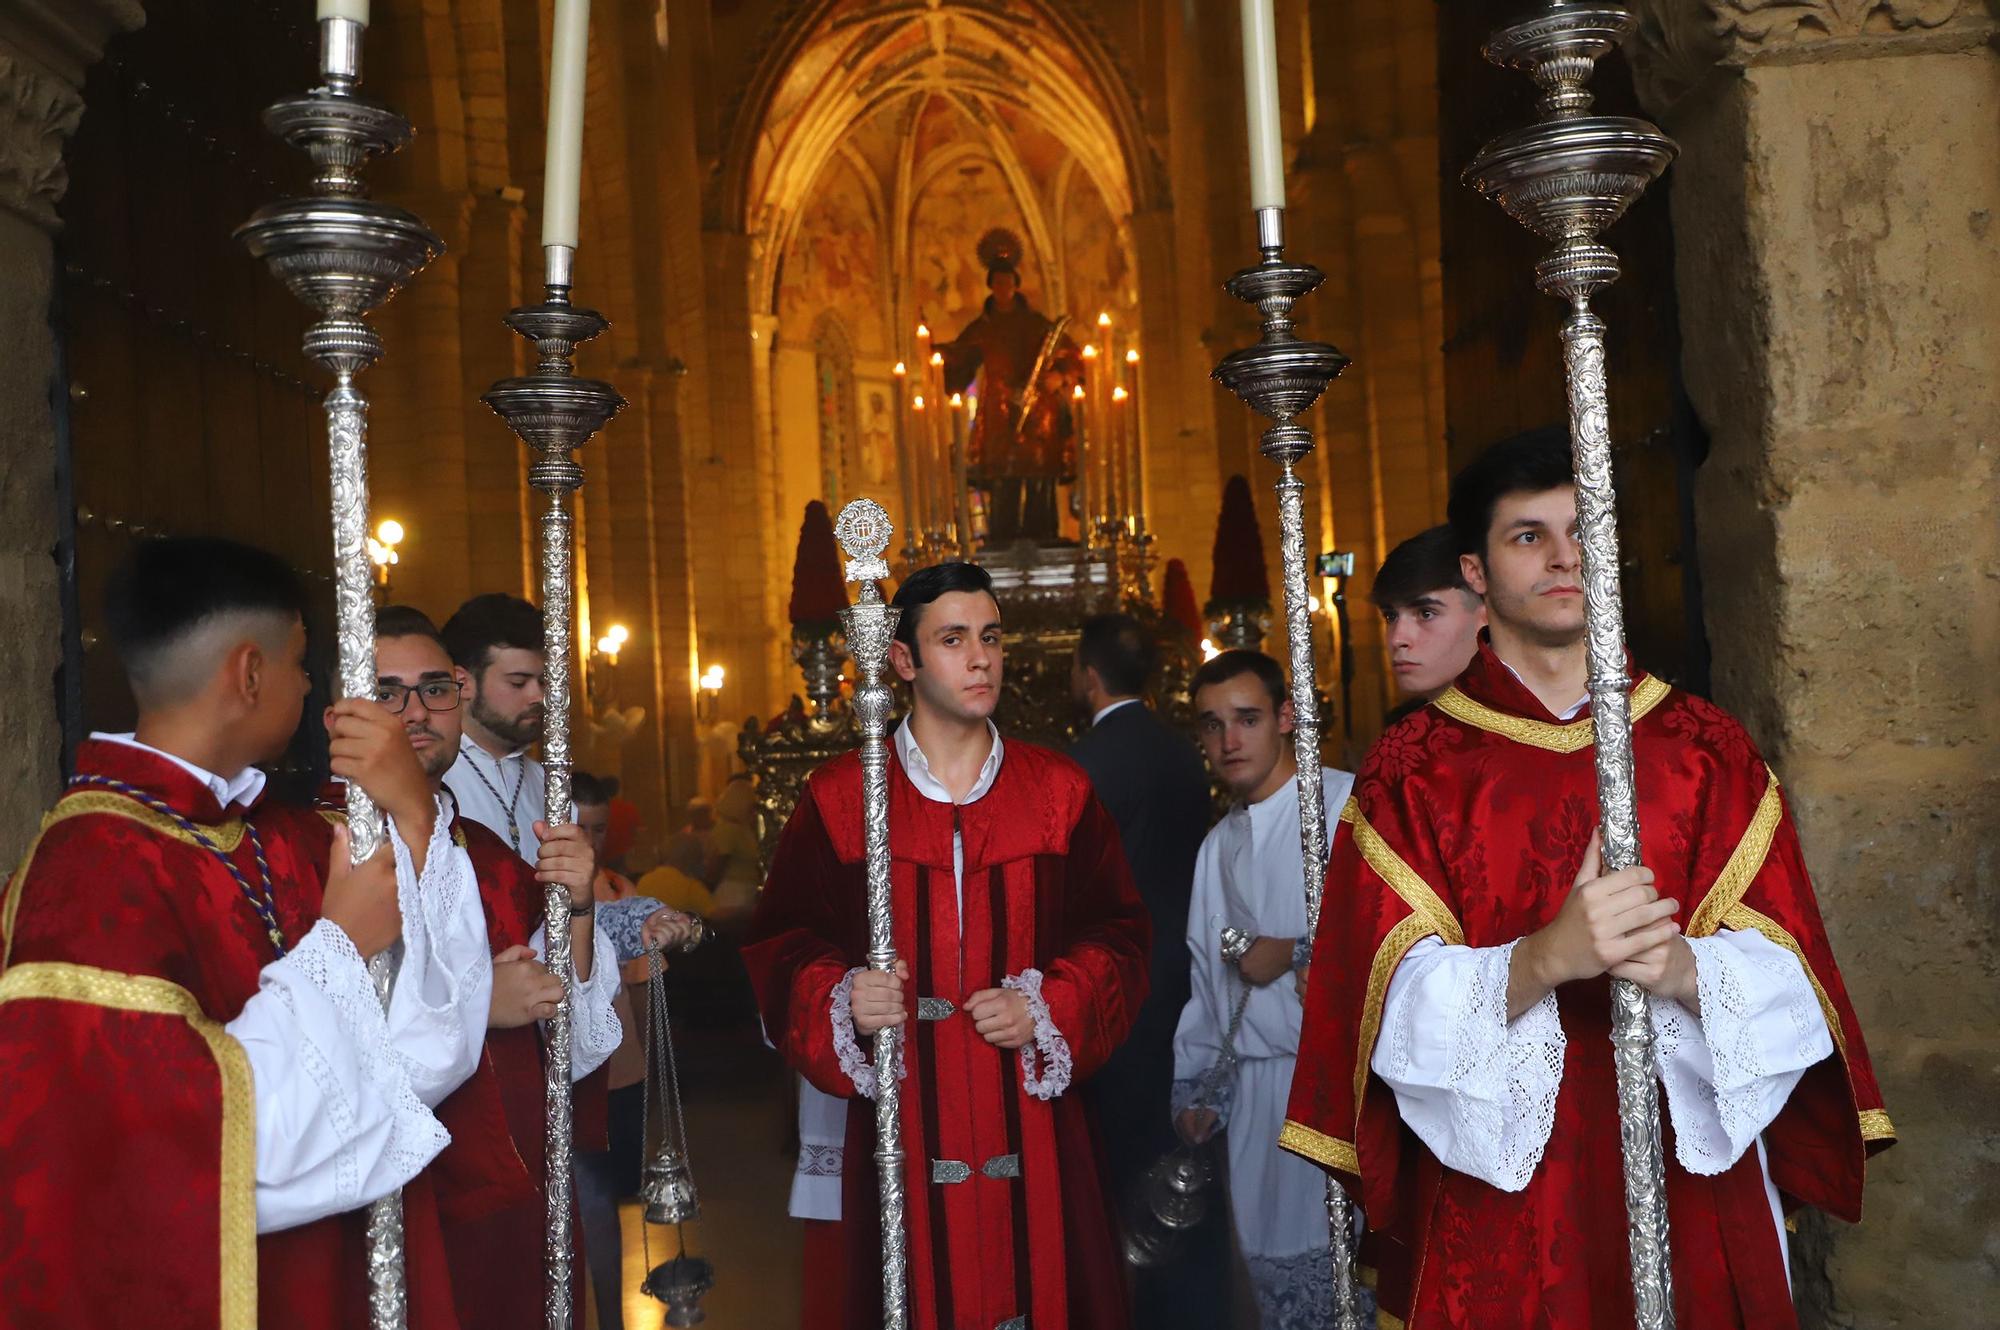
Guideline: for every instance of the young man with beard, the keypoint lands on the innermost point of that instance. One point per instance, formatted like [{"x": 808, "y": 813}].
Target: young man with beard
[
  {"x": 1430, "y": 615},
  {"x": 1247, "y": 877},
  {"x": 491, "y": 1178},
  {"x": 1456, "y": 1066},
  {"x": 1023, "y": 960},
  {"x": 191, "y": 1043},
  {"x": 496, "y": 640}
]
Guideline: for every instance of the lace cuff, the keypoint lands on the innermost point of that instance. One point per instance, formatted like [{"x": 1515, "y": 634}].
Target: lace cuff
[
  {"x": 595, "y": 1030},
  {"x": 1188, "y": 1094},
  {"x": 444, "y": 981},
  {"x": 1478, "y": 1090},
  {"x": 847, "y": 1043},
  {"x": 1728, "y": 1073},
  {"x": 1051, "y": 1048}
]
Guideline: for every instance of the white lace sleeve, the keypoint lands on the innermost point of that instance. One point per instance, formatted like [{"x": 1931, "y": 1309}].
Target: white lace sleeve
[
  {"x": 1728, "y": 1073},
  {"x": 1478, "y": 1090},
  {"x": 338, "y": 1122},
  {"x": 1049, "y": 1046},
  {"x": 444, "y": 985},
  {"x": 594, "y": 1028},
  {"x": 847, "y": 1043}
]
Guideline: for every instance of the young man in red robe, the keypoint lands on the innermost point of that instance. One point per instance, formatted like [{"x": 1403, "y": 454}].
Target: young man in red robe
[
  {"x": 1455, "y": 1071},
  {"x": 191, "y": 1044},
  {"x": 1024, "y": 960},
  {"x": 490, "y": 1180}
]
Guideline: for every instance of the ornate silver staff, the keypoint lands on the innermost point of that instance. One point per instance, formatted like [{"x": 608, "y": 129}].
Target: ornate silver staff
[
  {"x": 1566, "y": 178},
  {"x": 555, "y": 412},
  {"x": 863, "y": 531},
  {"x": 344, "y": 255},
  {"x": 1280, "y": 377}
]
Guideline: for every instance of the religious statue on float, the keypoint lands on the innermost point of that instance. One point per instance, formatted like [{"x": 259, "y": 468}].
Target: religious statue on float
[{"x": 1022, "y": 443}]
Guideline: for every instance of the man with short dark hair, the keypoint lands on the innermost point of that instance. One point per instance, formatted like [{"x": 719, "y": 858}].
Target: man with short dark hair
[
  {"x": 1456, "y": 1067},
  {"x": 1023, "y": 961},
  {"x": 191, "y": 1039},
  {"x": 1431, "y": 617},
  {"x": 1239, "y": 1033},
  {"x": 1152, "y": 783},
  {"x": 497, "y": 640}
]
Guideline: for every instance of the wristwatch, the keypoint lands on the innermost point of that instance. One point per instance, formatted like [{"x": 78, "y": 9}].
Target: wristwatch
[{"x": 578, "y": 911}]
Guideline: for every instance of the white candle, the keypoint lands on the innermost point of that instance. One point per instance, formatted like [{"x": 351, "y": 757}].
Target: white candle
[
  {"x": 353, "y": 10},
  {"x": 562, "y": 181},
  {"x": 1260, "y": 98}
]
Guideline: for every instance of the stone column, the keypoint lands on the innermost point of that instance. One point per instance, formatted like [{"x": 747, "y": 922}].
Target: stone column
[
  {"x": 498, "y": 546},
  {"x": 46, "y": 46},
  {"x": 1834, "y": 212}
]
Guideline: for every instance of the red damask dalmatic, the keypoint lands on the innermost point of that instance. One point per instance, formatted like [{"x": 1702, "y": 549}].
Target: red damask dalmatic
[
  {"x": 125, "y": 1189},
  {"x": 1047, "y": 888},
  {"x": 1468, "y": 822}
]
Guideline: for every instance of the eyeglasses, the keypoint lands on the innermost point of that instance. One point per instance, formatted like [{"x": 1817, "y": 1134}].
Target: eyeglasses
[{"x": 434, "y": 694}]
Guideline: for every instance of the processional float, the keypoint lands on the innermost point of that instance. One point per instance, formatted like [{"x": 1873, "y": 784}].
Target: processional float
[
  {"x": 1281, "y": 377},
  {"x": 1567, "y": 177},
  {"x": 864, "y": 531},
  {"x": 344, "y": 255}
]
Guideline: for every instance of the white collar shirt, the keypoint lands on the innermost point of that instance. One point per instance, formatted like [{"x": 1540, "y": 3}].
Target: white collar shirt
[
  {"x": 242, "y": 788},
  {"x": 1575, "y": 708},
  {"x": 506, "y": 795},
  {"x": 1098, "y": 719},
  {"x": 918, "y": 768}
]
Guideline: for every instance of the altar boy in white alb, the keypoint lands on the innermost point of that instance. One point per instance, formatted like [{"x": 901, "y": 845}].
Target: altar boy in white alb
[{"x": 1248, "y": 877}]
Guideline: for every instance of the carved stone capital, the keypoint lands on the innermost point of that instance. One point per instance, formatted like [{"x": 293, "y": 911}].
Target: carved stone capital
[
  {"x": 46, "y": 47},
  {"x": 1680, "y": 44}
]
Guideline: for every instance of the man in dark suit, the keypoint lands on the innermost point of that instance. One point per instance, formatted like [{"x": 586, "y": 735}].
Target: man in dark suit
[{"x": 1152, "y": 780}]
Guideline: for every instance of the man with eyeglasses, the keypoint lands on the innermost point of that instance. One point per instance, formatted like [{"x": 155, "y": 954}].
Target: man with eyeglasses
[{"x": 490, "y": 1178}]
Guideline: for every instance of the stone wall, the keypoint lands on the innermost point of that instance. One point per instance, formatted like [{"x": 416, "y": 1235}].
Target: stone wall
[
  {"x": 1837, "y": 220},
  {"x": 45, "y": 49}
]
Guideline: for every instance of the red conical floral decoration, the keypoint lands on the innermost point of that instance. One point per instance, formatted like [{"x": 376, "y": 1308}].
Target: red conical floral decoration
[
  {"x": 1177, "y": 600},
  {"x": 1239, "y": 551},
  {"x": 819, "y": 593}
]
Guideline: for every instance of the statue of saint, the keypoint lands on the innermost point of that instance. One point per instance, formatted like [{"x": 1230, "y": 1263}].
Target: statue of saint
[{"x": 1022, "y": 443}]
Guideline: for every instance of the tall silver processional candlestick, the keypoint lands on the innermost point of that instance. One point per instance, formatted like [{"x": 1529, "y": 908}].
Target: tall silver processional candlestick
[
  {"x": 344, "y": 255},
  {"x": 863, "y": 531},
  {"x": 1281, "y": 376},
  {"x": 555, "y": 412},
  {"x": 1566, "y": 178}
]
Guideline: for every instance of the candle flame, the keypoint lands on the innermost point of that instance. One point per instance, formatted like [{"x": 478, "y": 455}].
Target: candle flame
[
  {"x": 1132, "y": 357},
  {"x": 922, "y": 331},
  {"x": 1078, "y": 392},
  {"x": 957, "y": 401},
  {"x": 1089, "y": 352},
  {"x": 1104, "y": 319},
  {"x": 917, "y": 403},
  {"x": 900, "y": 370},
  {"x": 937, "y": 357},
  {"x": 1119, "y": 394}
]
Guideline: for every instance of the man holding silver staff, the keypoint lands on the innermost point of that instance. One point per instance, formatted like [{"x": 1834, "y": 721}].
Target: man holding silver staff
[
  {"x": 1456, "y": 1067},
  {"x": 1025, "y": 959},
  {"x": 187, "y": 1030}
]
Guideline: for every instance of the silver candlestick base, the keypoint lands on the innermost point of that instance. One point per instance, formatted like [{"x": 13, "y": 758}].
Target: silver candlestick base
[
  {"x": 344, "y": 255},
  {"x": 554, "y": 412},
  {"x": 1281, "y": 376},
  {"x": 1566, "y": 178}
]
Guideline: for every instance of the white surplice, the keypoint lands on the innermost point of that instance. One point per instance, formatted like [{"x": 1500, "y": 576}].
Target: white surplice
[
  {"x": 343, "y": 1090},
  {"x": 1249, "y": 876},
  {"x": 1480, "y": 1091}
]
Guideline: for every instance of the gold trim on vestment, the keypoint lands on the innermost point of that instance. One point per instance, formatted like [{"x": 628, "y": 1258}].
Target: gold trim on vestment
[
  {"x": 1745, "y": 861},
  {"x": 1319, "y": 1147},
  {"x": 1741, "y": 917},
  {"x": 237, "y": 1184},
  {"x": 1387, "y": 957},
  {"x": 1572, "y": 737},
  {"x": 1402, "y": 879},
  {"x": 1875, "y": 1125},
  {"x": 226, "y": 835},
  {"x": 1385, "y": 1321}
]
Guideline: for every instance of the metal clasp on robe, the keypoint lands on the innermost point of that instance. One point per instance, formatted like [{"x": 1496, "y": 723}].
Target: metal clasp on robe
[
  {"x": 999, "y": 1168},
  {"x": 934, "y": 1008}
]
